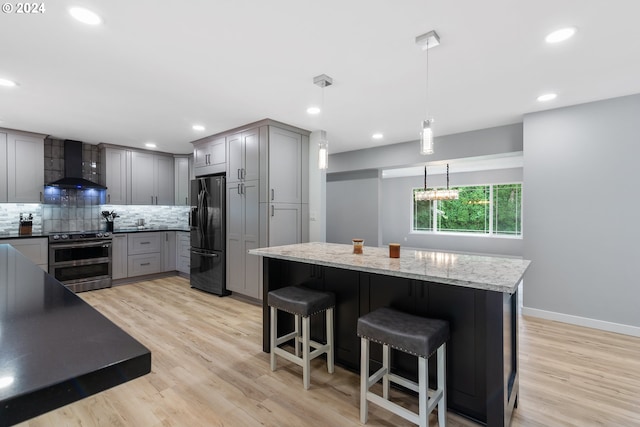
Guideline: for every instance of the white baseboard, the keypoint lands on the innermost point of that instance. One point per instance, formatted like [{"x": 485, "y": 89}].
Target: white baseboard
[{"x": 582, "y": 321}]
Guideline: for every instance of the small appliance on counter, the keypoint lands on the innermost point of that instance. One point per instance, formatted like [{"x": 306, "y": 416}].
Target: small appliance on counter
[
  {"x": 26, "y": 225},
  {"x": 208, "y": 234}
]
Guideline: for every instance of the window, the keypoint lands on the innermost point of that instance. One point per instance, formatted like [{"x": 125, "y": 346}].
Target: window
[{"x": 480, "y": 209}]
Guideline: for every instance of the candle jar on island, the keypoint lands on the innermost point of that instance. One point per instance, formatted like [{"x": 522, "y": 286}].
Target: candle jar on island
[
  {"x": 394, "y": 250},
  {"x": 357, "y": 245}
]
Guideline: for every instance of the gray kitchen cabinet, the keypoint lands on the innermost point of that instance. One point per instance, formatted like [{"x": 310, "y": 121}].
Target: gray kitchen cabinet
[
  {"x": 115, "y": 164},
  {"x": 36, "y": 249},
  {"x": 209, "y": 156},
  {"x": 168, "y": 251},
  {"x": 182, "y": 174},
  {"x": 285, "y": 166},
  {"x": 183, "y": 252},
  {"x": 243, "y": 150},
  {"x": 119, "y": 256},
  {"x": 243, "y": 233},
  {"x": 22, "y": 157},
  {"x": 152, "y": 179},
  {"x": 285, "y": 223},
  {"x": 144, "y": 253}
]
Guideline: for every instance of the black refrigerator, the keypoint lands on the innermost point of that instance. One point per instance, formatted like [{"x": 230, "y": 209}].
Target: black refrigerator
[{"x": 208, "y": 237}]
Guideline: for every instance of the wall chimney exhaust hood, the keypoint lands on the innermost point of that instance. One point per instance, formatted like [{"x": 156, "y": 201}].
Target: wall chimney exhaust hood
[{"x": 73, "y": 169}]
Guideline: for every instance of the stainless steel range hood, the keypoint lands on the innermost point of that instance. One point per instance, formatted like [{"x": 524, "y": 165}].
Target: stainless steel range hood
[{"x": 73, "y": 169}]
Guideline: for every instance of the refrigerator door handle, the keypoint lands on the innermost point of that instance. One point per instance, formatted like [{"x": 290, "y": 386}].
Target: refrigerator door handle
[{"x": 204, "y": 254}]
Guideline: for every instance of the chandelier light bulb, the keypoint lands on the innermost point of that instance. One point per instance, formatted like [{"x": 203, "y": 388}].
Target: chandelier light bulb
[{"x": 426, "y": 141}]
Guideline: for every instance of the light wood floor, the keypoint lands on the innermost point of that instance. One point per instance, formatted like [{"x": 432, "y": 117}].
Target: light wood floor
[{"x": 209, "y": 370}]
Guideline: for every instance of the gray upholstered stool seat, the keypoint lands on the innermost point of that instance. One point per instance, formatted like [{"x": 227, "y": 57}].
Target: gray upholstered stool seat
[
  {"x": 302, "y": 303},
  {"x": 411, "y": 334}
]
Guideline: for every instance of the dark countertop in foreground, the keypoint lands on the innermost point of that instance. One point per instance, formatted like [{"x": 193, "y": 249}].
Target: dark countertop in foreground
[
  {"x": 54, "y": 347},
  {"x": 490, "y": 273}
]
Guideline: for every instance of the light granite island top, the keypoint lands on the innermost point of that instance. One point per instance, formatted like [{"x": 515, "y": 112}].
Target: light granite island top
[{"x": 491, "y": 273}]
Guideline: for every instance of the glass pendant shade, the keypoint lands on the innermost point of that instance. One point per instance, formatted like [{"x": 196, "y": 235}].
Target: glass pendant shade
[
  {"x": 323, "y": 151},
  {"x": 426, "y": 140}
]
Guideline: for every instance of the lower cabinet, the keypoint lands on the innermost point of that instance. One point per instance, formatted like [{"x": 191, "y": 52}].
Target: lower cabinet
[
  {"x": 36, "y": 249},
  {"x": 183, "y": 252},
  {"x": 119, "y": 256},
  {"x": 144, "y": 253},
  {"x": 168, "y": 250}
]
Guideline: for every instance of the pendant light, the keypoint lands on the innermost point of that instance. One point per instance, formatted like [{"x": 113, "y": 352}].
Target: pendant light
[
  {"x": 427, "y": 41},
  {"x": 425, "y": 195},
  {"x": 323, "y": 145}
]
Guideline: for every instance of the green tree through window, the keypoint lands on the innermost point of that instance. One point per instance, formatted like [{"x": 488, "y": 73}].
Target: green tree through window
[{"x": 480, "y": 209}]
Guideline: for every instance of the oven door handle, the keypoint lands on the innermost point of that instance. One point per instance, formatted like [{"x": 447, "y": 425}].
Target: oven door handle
[{"x": 102, "y": 243}]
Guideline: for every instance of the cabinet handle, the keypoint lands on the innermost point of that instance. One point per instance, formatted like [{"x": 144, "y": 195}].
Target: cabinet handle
[
  {"x": 151, "y": 199},
  {"x": 156, "y": 200},
  {"x": 239, "y": 177},
  {"x": 273, "y": 210},
  {"x": 166, "y": 237},
  {"x": 243, "y": 174},
  {"x": 41, "y": 199},
  {"x": 108, "y": 198},
  {"x": 145, "y": 243},
  {"x": 145, "y": 263},
  {"x": 273, "y": 194}
]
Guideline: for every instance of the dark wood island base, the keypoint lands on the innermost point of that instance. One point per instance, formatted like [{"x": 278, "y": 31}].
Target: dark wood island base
[{"x": 482, "y": 354}]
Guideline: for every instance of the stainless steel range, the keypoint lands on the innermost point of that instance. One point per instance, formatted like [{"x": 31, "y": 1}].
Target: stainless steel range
[{"x": 81, "y": 260}]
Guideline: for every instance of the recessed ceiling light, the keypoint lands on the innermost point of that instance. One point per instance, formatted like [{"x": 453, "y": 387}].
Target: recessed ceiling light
[
  {"x": 85, "y": 16},
  {"x": 7, "y": 83},
  {"x": 313, "y": 110},
  {"x": 560, "y": 35},
  {"x": 377, "y": 136},
  {"x": 547, "y": 97},
  {"x": 150, "y": 145},
  {"x": 197, "y": 127}
]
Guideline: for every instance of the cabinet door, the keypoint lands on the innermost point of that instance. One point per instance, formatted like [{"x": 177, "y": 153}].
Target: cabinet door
[
  {"x": 251, "y": 238},
  {"x": 142, "y": 264},
  {"x": 163, "y": 180},
  {"x": 234, "y": 158},
  {"x": 3, "y": 166},
  {"x": 25, "y": 168},
  {"x": 144, "y": 243},
  {"x": 169, "y": 251},
  {"x": 142, "y": 173},
  {"x": 117, "y": 175},
  {"x": 201, "y": 151},
  {"x": 210, "y": 156},
  {"x": 235, "y": 252},
  {"x": 284, "y": 224},
  {"x": 119, "y": 256},
  {"x": 285, "y": 157},
  {"x": 181, "y": 171},
  {"x": 37, "y": 250},
  {"x": 251, "y": 155}
]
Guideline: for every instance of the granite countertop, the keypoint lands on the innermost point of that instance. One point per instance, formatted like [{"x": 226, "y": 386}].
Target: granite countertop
[
  {"x": 490, "y": 273},
  {"x": 55, "y": 348},
  {"x": 15, "y": 235},
  {"x": 141, "y": 230}
]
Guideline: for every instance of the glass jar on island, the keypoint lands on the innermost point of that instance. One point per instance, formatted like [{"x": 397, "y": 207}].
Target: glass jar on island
[{"x": 357, "y": 245}]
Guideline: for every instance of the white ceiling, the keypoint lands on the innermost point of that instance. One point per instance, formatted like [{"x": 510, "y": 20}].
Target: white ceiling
[{"x": 154, "y": 68}]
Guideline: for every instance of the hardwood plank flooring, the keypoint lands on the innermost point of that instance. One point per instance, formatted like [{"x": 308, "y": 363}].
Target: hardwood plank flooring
[{"x": 208, "y": 369}]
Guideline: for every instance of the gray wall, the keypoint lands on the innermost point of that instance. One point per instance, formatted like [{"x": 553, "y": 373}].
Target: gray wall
[
  {"x": 396, "y": 215},
  {"x": 582, "y": 207},
  {"x": 353, "y": 207},
  {"x": 483, "y": 142}
]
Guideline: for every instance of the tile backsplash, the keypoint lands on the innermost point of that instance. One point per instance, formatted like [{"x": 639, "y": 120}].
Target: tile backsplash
[
  {"x": 154, "y": 216},
  {"x": 10, "y": 216}
]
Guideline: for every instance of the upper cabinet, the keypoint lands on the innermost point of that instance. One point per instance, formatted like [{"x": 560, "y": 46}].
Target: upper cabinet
[
  {"x": 22, "y": 167},
  {"x": 285, "y": 168},
  {"x": 209, "y": 156},
  {"x": 115, "y": 164},
  {"x": 244, "y": 156},
  {"x": 182, "y": 173},
  {"x": 152, "y": 180}
]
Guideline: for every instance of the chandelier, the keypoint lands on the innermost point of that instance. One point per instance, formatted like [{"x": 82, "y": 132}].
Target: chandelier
[{"x": 435, "y": 194}]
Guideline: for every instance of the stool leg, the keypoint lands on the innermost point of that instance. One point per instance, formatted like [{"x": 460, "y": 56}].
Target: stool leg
[
  {"x": 329, "y": 315},
  {"x": 386, "y": 353},
  {"x": 273, "y": 332},
  {"x": 364, "y": 378},
  {"x": 296, "y": 341},
  {"x": 442, "y": 385},
  {"x": 423, "y": 391},
  {"x": 305, "y": 352}
]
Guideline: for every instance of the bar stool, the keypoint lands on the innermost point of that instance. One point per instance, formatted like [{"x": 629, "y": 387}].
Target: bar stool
[
  {"x": 302, "y": 303},
  {"x": 411, "y": 334}
]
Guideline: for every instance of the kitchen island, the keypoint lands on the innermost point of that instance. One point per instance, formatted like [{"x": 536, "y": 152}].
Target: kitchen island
[
  {"x": 54, "y": 347},
  {"x": 477, "y": 294}
]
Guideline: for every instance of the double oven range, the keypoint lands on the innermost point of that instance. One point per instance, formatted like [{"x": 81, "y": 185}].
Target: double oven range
[{"x": 81, "y": 260}]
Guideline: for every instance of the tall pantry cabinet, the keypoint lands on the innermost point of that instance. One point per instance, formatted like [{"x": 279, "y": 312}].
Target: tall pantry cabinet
[{"x": 267, "y": 197}]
